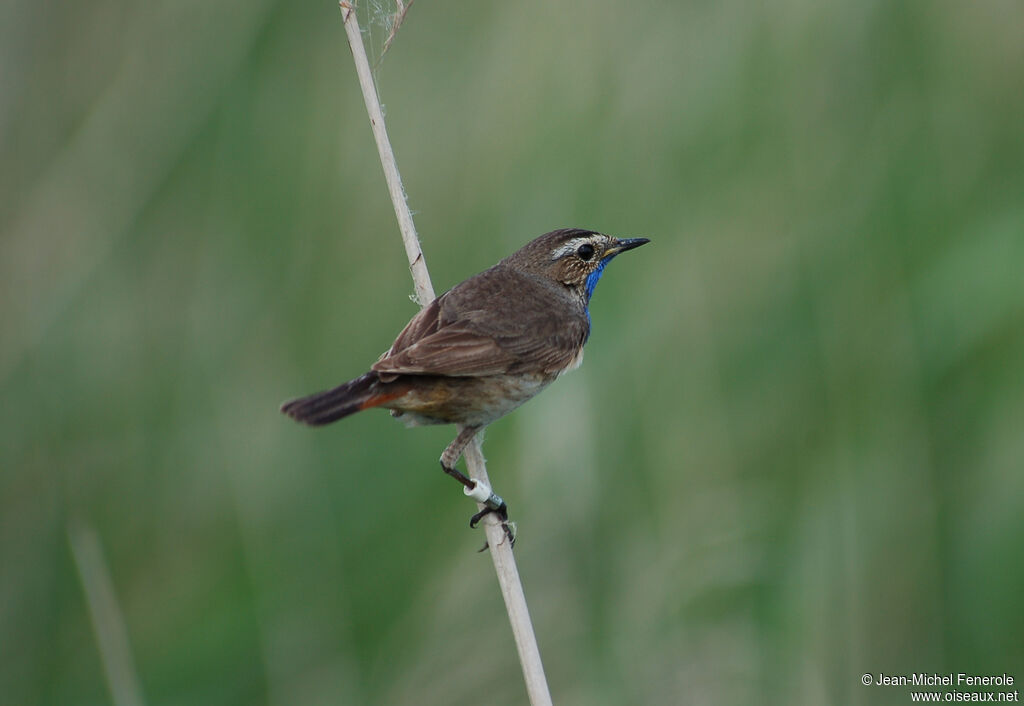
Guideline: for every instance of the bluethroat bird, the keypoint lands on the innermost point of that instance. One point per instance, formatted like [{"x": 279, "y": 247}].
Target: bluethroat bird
[{"x": 484, "y": 347}]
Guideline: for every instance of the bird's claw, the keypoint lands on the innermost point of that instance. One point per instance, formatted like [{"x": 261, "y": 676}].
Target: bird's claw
[
  {"x": 510, "y": 532},
  {"x": 494, "y": 504},
  {"x": 499, "y": 509}
]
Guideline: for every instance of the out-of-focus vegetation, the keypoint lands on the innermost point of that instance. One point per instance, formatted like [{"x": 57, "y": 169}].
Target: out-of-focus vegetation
[{"x": 793, "y": 456}]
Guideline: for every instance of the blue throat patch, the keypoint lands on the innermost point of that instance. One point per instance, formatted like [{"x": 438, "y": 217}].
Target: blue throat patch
[
  {"x": 591, "y": 282},
  {"x": 592, "y": 278}
]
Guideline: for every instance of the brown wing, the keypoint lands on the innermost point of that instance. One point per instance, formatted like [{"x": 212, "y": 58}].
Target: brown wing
[{"x": 499, "y": 321}]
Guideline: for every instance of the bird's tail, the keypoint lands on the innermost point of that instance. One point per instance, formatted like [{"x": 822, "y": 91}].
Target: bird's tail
[{"x": 331, "y": 405}]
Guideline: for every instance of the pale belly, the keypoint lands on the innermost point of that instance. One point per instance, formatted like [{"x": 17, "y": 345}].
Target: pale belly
[{"x": 468, "y": 401}]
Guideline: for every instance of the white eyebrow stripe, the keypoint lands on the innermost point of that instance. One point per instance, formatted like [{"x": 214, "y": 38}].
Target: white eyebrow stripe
[{"x": 571, "y": 247}]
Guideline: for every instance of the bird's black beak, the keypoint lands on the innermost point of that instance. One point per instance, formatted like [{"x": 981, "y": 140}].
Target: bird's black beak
[{"x": 625, "y": 244}]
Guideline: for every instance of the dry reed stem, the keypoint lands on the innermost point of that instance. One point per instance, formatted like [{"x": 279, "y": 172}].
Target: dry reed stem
[{"x": 500, "y": 547}]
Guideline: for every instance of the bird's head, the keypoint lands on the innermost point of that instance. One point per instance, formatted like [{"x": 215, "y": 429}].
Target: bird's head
[{"x": 572, "y": 256}]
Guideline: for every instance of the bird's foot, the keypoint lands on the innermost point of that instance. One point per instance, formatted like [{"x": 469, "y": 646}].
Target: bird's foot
[
  {"x": 482, "y": 493},
  {"x": 492, "y": 502},
  {"x": 510, "y": 532}
]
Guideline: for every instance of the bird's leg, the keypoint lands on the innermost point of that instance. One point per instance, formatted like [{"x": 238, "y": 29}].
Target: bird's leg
[
  {"x": 477, "y": 490},
  {"x": 452, "y": 454}
]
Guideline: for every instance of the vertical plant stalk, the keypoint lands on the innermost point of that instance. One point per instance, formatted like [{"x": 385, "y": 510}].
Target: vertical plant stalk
[
  {"x": 417, "y": 264},
  {"x": 501, "y": 549},
  {"x": 107, "y": 620}
]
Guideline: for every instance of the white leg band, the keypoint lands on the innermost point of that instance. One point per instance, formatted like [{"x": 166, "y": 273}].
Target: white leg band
[{"x": 481, "y": 492}]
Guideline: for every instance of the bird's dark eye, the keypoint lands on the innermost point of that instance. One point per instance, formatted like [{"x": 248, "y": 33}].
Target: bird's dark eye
[{"x": 585, "y": 251}]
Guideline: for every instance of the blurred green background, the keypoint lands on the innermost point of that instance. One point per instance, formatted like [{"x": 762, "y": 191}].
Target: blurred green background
[{"x": 793, "y": 454}]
